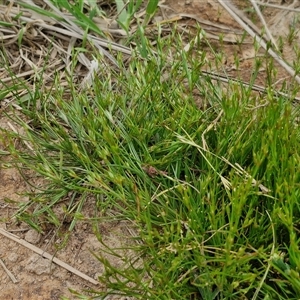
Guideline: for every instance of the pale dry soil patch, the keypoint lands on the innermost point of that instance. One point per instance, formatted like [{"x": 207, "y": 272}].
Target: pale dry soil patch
[{"x": 38, "y": 278}]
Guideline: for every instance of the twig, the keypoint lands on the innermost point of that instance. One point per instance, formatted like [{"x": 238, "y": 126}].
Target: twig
[
  {"x": 281, "y": 7},
  {"x": 254, "y": 87},
  {"x": 264, "y": 23},
  {"x": 11, "y": 276},
  {"x": 233, "y": 11},
  {"x": 48, "y": 256}
]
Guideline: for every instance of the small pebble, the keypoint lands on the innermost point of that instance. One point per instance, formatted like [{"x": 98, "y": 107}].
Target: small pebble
[{"x": 32, "y": 236}]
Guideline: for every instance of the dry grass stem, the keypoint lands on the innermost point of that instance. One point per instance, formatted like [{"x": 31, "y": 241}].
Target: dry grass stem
[
  {"x": 235, "y": 13},
  {"x": 48, "y": 256}
]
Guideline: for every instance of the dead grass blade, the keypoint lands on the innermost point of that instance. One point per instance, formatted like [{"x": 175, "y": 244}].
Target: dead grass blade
[
  {"x": 10, "y": 274},
  {"x": 235, "y": 13},
  {"x": 281, "y": 7},
  {"x": 35, "y": 21},
  {"x": 48, "y": 256},
  {"x": 72, "y": 28},
  {"x": 264, "y": 23},
  {"x": 254, "y": 87},
  {"x": 31, "y": 39}
]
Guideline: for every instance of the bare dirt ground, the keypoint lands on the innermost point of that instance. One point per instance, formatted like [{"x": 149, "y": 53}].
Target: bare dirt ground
[{"x": 39, "y": 278}]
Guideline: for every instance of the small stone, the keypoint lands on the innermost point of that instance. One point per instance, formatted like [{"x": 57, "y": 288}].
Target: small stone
[
  {"x": 39, "y": 265},
  {"x": 32, "y": 236}
]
